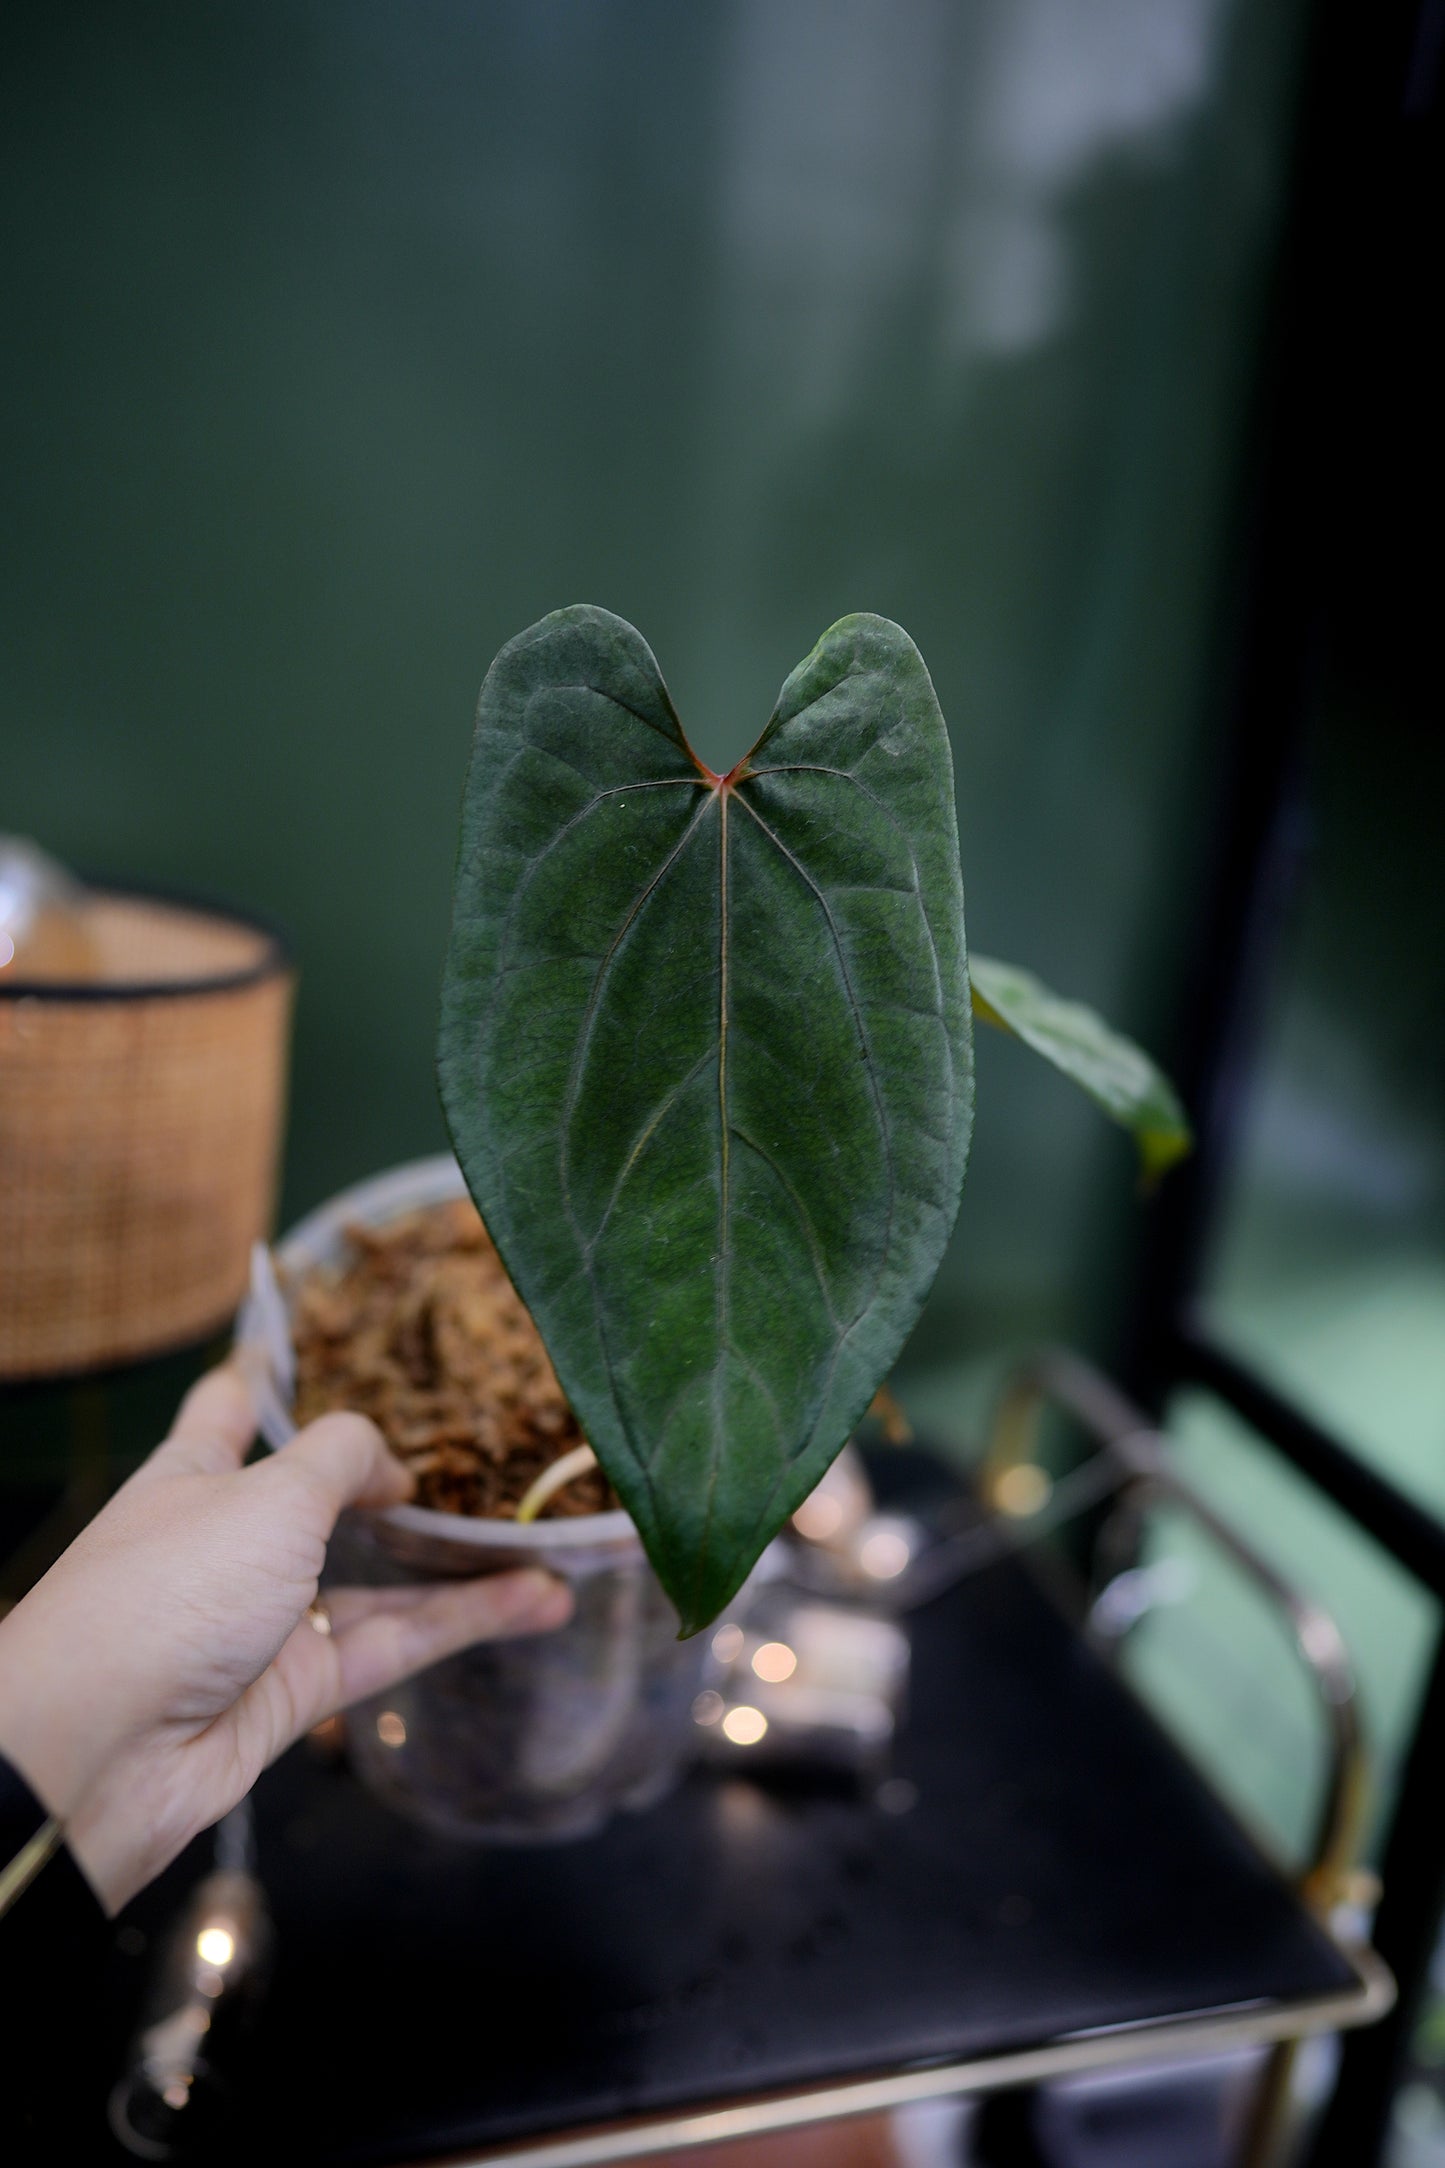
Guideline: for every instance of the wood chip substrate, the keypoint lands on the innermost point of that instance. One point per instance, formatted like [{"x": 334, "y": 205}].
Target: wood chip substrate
[{"x": 425, "y": 1333}]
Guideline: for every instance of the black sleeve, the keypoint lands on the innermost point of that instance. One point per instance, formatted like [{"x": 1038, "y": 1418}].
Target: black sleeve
[
  {"x": 54, "y": 1951},
  {"x": 59, "y": 1890}
]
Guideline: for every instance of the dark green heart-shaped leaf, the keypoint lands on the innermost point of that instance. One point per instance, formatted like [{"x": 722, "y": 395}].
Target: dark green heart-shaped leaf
[
  {"x": 706, "y": 1060},
  {"x": 1116, "y": 1074}
]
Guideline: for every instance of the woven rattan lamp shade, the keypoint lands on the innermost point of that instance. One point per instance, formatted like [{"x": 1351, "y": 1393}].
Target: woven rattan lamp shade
[{"x": 140, "y": 1125}]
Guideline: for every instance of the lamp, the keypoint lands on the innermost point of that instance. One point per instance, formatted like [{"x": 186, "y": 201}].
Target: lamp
[{"x": 142, "y": 1087}]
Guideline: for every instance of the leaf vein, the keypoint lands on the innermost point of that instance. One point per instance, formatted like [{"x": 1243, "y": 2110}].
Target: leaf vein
[
  {"x": 846, "y": 775},
  {"x": 815, "y": 1247},
  {"x": 868, "y": 1061},
  {"x": 574, "y": 1082},
  {"x": 648, "y": 1132},
  {"x": 554, "y": 842}
]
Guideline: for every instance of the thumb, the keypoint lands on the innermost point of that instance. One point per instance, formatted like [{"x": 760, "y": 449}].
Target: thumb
[{"x": 343, "y": 1460}]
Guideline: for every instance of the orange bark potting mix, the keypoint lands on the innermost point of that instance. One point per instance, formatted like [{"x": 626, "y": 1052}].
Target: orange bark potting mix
[{"x": 424, "y": 1332}]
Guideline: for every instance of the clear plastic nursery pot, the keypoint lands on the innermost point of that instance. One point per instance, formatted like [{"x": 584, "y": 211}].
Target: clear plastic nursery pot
[{"x": 525, "y": 1741}]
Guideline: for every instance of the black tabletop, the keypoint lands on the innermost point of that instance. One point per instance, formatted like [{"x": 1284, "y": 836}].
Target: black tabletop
[{"x": 1060, "y": 1869}]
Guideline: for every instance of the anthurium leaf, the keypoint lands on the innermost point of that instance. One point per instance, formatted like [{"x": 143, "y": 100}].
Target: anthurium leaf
[
  {"x": 1118, "y": 1075},
  {"x": 706, "y": 1060}
]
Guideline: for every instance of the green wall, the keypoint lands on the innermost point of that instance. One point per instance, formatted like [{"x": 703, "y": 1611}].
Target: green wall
[{"x": 346, "y": 339}]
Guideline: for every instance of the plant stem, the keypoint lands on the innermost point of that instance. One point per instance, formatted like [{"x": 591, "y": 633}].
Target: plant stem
[{"x": 555, "y": 1478}]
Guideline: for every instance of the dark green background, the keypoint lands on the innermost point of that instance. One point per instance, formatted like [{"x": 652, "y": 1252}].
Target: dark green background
[{"x": 346, "y": 339}]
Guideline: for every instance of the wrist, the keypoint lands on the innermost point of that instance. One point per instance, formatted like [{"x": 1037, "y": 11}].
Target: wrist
[
  {"x": 57, "y": 1760},
  {"x": 132, "y": 1823}
]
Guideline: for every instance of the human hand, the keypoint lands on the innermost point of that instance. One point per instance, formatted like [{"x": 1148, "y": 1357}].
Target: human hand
[{"x": 167, "y": 1657}]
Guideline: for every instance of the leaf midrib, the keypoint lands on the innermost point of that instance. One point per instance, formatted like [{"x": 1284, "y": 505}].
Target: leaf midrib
[{"x": 719, "y": 789}]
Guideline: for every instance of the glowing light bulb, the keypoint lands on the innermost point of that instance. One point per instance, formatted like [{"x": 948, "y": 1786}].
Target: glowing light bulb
[
  {"x": 745, "y": 1726},
  {"x": 775, "y": 1661},
  {"x": 818, "y": 1517},
  {"x": 215, "y": 1946},
  {"x": 884, "y": 1554},
  {"x": 1022, "y": 1490}
]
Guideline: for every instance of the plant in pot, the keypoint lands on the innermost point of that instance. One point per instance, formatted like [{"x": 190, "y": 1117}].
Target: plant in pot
[{"x": 706, "y": 1061}]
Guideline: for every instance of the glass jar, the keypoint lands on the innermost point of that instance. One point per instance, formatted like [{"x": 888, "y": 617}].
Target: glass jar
[{"x": 526, "y": 1741}]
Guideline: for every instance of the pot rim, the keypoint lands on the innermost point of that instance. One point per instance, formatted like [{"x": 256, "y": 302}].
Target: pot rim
[{"x": 314, "y": 1240}]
